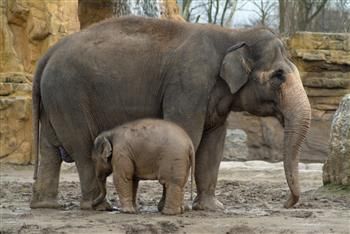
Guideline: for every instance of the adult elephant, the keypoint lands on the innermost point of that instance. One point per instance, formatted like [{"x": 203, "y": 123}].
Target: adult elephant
[{"x": 128, "y": 68}]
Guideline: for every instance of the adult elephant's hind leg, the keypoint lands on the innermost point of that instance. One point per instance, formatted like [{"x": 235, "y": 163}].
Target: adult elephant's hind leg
[
  {"x": 208, "y": 158},
  {"x": 45, "y": 188}
]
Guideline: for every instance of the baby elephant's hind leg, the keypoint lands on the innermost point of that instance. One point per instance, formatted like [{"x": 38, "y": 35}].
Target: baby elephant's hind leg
[
  {"x": 173, "y": 199},
  {"x": 124, "y": 183}
]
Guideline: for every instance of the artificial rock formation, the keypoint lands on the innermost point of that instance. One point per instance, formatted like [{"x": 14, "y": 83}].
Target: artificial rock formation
[
  {"x": 236, "y": 145},
  {"x": 336, "y": 169},
  {"x": 170, "y": 10},
  {"x": 323, "y": 60},
  {"x": 28, "y": 29},
  {"x": 15, "y": 118}
]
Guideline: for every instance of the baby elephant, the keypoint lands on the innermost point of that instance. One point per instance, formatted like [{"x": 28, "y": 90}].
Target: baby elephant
[{"x": 146, "y": 149}]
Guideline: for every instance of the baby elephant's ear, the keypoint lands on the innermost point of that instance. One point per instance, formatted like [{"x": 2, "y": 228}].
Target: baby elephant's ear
[{"x": 106, "y": 149}]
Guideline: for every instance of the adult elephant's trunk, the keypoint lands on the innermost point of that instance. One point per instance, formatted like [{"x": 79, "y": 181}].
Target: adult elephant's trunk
[
  {"x": 296, "y": 111},
  {"x": 101, "y": 182}
]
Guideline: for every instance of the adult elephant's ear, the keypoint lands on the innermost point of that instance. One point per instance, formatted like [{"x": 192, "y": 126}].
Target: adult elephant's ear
[{"x": 235, "y": 67}]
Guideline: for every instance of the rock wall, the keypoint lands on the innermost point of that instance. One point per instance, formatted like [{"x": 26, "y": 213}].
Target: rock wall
[
  {"x": 324, "y": 63},
  {"x": 28, "y": 29},
  {"x": 170, "y": 10},
  {"x": 336, "y": 169}
]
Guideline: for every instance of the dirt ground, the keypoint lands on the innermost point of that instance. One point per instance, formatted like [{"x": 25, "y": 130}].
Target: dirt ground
[{"x": 252, "y": 192}]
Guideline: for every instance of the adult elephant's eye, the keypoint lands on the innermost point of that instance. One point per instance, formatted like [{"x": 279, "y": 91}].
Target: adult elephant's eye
[
  {"x": 279, "y": 74},
  {"x": 277, "y": 78}
]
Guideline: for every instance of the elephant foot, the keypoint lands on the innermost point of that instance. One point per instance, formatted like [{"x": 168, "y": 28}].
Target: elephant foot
[
  {"x": 48, "y": 204},
  {"x": 292, "y": 200},
  {"x": 207, "y": 202},
  {"x": 103, "y": 206},
  {"x": 128, "y": 210},
  {"x": 171, "y": 211}
]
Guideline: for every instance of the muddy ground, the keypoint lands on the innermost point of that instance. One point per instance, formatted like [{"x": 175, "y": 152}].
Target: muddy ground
[{"x": 252, "y": 192}]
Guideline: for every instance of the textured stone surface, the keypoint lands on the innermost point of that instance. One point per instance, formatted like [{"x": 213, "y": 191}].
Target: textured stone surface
[
  {"x": 15, "y": 118},
  {"x": 264, "y": 136},
  {"x": 236, "y": 147},
  {"x": 336, "y": 169},
  {"x": 323, "y": 60},
  {"x": 28, "y": 29},
  {"x": 170, "y": 10}
]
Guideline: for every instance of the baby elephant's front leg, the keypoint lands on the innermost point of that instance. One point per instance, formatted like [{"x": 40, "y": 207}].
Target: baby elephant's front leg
[{"x": 124, "y": 183}]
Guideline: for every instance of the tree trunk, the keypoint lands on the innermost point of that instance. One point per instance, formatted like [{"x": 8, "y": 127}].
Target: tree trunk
[
  {"x": 92, "y": 11},
  {"x": 121, "y": 8},
  {"x": 282, "y": 14},
  {"x": 307, "y": 11},
  {"x": 186, "y": 9}
]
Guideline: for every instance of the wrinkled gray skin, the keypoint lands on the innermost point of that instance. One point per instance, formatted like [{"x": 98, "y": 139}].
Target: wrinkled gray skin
[
  {"x": 129, "y": 68},
  {"x": 147, "y": 149}
]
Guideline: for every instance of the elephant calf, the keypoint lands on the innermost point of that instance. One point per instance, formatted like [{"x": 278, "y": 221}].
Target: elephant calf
[{"x": 146, "y": 149}]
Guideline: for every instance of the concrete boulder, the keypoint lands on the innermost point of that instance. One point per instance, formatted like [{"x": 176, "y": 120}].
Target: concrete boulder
[
  {"x": 336, "y": 169},
  {"x": 235, "y": 145}
]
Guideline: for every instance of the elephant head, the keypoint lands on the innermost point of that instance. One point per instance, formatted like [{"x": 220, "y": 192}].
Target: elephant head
[
  {"x": 101, "y": 155},
  {"x": 264, "y": 82}
]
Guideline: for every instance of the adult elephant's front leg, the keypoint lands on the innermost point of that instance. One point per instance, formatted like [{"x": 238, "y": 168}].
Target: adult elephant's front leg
[
  {"x": 208, "y": 158},
  {"x": 89, "y": 187},
  {"x": 186, "y": 105}
]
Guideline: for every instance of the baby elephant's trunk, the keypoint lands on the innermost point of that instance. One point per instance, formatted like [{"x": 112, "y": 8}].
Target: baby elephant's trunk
[{"x": 102, "y": 186}]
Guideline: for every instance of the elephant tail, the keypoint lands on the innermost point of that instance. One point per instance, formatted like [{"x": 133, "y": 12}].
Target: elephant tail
[
  {"x": 36, "y": 103},
  {"x": 192, "y": 158}
]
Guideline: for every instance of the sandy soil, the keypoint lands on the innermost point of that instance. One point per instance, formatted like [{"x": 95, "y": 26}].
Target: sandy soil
[{"x": 252, "y": 192}]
